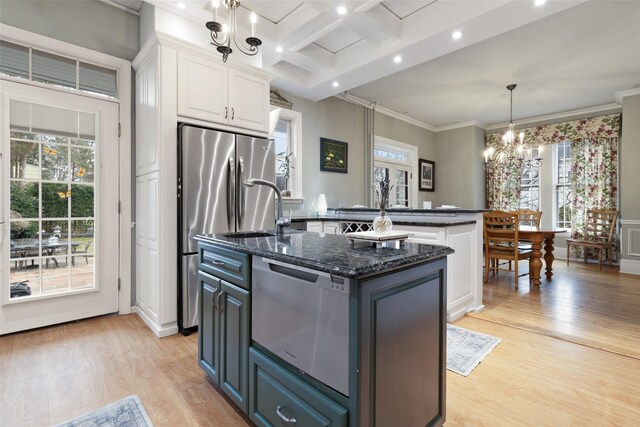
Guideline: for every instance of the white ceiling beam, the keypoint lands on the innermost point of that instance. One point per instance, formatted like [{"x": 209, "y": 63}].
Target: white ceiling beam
[
  {"x": 313, "y": 64},
  {"x": 367, "y": 5},
  {"x": 311, "y": 32},
  {"x": 375, "y": 27}
]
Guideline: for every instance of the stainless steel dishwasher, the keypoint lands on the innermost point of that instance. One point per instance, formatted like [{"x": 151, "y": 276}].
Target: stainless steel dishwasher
[{"x": 302, "y": 316}]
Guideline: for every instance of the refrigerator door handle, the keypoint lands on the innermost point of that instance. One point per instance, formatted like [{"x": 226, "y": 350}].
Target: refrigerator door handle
[
  {"x": 241, "y": 193},
  {"x": 231, "y": 183}
]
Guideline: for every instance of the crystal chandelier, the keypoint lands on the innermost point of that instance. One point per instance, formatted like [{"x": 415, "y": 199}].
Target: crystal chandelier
[
  {"x": 222, "y": 34},
  {"x": 514, "y": 150}
]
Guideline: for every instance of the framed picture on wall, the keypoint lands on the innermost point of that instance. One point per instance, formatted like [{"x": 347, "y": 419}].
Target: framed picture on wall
[
  {"x": 334, "y": 156},
  {"x": 427, "y": 175}
]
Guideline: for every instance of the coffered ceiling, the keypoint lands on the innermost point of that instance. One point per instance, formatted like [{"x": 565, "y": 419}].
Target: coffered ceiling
[{"x": 551, "y": 51}]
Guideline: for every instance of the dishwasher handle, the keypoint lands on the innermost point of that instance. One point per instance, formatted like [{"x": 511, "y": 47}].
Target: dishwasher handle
[{"x": 294, "y": 272}]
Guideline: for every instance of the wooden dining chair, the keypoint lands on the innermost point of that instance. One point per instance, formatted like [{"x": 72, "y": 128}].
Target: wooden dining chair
[
  {"x": 599, "y": 230},
  {"x": 501, "y": 243},
  {"x": 529, "y": 217}
]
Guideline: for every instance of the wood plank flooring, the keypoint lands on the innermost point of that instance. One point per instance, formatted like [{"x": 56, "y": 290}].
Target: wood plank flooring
[{"x": 532, "y": 378}]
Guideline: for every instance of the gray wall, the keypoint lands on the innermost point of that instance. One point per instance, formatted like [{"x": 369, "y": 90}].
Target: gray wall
[
  {"x": 459, "y": 171},
  {"x": 335, "y": 119},
  {"x": 341, "y": 120},
  {"x": 630, "y": 174},
  {"x": 424, "y": 139},
  {"x": 87, "y": 23}
]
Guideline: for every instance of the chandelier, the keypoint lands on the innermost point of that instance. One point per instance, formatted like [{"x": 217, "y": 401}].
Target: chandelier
[
  {"x": 514, "y": 150},
  {"x": 222, "y": 34}
]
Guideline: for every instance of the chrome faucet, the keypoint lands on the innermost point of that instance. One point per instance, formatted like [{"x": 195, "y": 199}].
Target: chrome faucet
[{"x": 281, "y": 221}]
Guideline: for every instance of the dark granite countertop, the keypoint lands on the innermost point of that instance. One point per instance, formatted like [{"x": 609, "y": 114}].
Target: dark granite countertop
[
  {"x": 330, "y": 253},
  {"x": 407, "y": 221}
]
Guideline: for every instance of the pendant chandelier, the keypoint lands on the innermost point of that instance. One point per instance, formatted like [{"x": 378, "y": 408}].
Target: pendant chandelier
[
  {"x": 222, "y": 35},
  {"x": 514, "y": 150}
]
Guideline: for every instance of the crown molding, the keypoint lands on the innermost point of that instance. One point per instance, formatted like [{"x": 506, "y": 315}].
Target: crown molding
[
  {"x": 346, "y": 96},
  {"x": 476, "y": 123},
  {"x": 607, "y": 108},
  {"x": 624, "y": 93}
]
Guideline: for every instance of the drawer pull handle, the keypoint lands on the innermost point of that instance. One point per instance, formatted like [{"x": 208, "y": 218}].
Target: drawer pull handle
[
  {"x": 216, "y": 262},
  {"x": 284, "y": 417}
]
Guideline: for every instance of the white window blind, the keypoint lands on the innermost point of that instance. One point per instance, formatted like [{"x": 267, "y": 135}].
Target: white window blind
[
  {"x": 47, "y": 67},
  {"x": 14, "y": 59},
  {"x": 38, "y": 118}
]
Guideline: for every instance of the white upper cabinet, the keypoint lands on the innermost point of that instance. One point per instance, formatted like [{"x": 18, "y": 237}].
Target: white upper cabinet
[
  {"x": 248, "y": 100},
  {"x": 215, "y": 92},
  {"x": 203, "y": 89}
]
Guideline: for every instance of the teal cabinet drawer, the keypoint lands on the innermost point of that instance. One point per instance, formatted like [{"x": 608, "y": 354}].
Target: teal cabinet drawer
[
  {"x": 234, "y": 267},
  {"x": 278, "y": 398}
]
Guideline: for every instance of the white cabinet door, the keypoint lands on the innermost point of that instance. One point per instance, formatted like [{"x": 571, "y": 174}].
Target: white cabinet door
[
  {"x": 332, "y": 227},
  {"x": 203, "y": 89},
  {"x": 460, "y": 281},
  {"x": 248, "y": 101},
  {"x": 147, "y": 87}
]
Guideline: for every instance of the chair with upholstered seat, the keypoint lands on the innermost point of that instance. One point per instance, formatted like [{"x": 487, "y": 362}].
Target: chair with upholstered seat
[
  {"x": 600, "y": 228},
  {"x": 501, "y": 242}
]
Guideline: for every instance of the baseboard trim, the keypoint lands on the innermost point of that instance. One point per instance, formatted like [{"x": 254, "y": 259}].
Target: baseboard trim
[
  {"x": 161, "y": 331},
  {"x": 629, "y": 266}
]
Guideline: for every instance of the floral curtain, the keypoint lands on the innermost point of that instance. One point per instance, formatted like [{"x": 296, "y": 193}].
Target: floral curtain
[
  {"x": 503, "y": 181},
  {"x": 594, "y": 170}
]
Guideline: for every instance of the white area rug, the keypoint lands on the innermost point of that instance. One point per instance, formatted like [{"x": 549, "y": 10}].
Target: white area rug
[
  {"x": 127, "y": 412},
  {"x": 466, "y": 349}
]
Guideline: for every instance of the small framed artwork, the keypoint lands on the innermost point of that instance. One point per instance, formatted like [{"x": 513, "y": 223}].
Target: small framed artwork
[
  {"x": 427, "y": 175},
  {"x": 334, "y": 156}
]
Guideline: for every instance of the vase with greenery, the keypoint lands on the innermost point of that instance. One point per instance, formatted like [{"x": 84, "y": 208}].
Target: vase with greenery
[{"x": 382, "y": 223}]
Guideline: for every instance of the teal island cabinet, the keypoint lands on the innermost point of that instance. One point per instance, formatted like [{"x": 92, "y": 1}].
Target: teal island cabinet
[{"x": 305, "y": 329}]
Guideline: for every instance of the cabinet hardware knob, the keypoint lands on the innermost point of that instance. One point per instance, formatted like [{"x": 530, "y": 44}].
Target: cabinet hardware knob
[
  {"x": 284, "y": 418},
  {"x": 216, "y": 262}
]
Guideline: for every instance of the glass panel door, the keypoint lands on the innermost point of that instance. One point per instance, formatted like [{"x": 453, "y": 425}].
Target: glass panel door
[{"x": 58, "y": 207}]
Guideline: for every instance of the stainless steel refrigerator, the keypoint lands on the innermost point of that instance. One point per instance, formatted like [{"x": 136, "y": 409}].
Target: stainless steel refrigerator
[{"x": 213, "y": 166}]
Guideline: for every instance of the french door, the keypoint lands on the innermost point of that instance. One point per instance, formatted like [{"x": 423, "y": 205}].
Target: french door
[
  {"x": 58, "y": 207},
  {"x": 400, "y": 177}
]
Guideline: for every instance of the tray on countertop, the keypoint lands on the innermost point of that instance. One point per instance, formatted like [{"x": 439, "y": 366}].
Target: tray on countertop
[{"x": 373, "y": 236}]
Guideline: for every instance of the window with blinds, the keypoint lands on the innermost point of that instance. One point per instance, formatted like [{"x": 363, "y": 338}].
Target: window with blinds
[{"x": 46, "y": 67}]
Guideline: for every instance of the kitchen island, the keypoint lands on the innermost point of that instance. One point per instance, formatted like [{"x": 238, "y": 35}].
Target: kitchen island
[{"x": 303, "y": 329}]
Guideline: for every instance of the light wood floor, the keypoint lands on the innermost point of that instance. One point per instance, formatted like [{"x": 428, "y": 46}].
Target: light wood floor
[{"x": 531, "y": 378}]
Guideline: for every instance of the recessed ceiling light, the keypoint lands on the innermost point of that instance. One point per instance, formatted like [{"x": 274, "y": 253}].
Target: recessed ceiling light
[
  {"x": 335, "y": 84},
  {"x": 397, "y": 59},
  {"x": 341, "y": 10},
  {"x": 180, "y": 5},
  {"x": 279, "y": 49},
  {"x": 456, "y": 35},
  {"x": 539, "y": 2}
]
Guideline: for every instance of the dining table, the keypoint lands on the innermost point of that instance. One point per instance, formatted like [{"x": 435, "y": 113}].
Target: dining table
[
  {"x": 24, "y": 248},
  {"x": 537, "y": 236}
]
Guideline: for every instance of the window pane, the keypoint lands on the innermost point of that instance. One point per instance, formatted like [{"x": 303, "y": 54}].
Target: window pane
[
  {"x": 24, "y": 200},
  {"x": 82, "y": 201},
  {"x": 282, "y": 141},
  {"x": 97, "y": 79},
  {"x": 82, "y": 160},
  {"x": 55, "y": 200},
  {"x": 55, "y": 162},
  {"x": 24, "y": 160},
  {"x": 54, "y": 69},
  {"x": 14, "y": 59}
]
